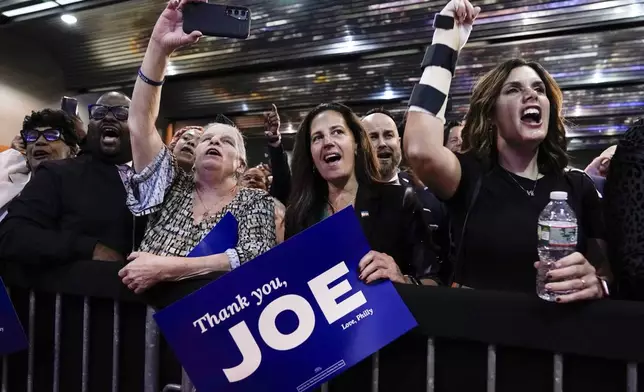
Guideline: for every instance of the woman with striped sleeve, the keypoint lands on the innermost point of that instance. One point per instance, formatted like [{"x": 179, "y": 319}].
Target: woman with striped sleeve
[{"x": 513, "y": 155}]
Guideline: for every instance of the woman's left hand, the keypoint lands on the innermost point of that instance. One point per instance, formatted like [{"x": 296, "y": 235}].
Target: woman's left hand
[
  {"x": 143, "y": 271},
  {"x": 375, "y": 265},
  {"x": 574, "y": 272}
]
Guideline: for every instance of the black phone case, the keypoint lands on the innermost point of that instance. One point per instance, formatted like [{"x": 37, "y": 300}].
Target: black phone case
[
  {"x": 216, "y": 20},
  {"x": 69, "y": 106}
]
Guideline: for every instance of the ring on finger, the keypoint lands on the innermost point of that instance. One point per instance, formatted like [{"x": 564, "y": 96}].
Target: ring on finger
[{"x": 583, "y": 283}]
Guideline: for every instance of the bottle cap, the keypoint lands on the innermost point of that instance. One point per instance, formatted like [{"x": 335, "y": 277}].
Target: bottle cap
[{"x": 558, "y": 195}]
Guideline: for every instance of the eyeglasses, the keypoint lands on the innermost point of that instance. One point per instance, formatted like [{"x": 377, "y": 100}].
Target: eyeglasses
[
  {"x": 31, "y": 135},
  {"x": 99, "y": 112}
]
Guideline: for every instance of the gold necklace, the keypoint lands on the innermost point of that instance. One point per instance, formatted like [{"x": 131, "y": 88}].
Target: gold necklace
[{"x": 207, "y": 213}]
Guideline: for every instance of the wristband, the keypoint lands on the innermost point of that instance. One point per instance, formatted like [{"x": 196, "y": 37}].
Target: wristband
[
  {"x": 443, "y": 22},
  {"x": 440, "y": 55},
  {"x": 150, "y": 81},
  {"x": 413, "y": 280}
]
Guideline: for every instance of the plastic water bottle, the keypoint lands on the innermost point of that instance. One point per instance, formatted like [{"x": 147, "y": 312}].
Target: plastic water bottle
[{"x": 557, "y": 231}]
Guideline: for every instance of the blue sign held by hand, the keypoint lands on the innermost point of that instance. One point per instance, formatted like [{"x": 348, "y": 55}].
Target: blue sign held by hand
[
  {"x": 12, "y": 336},
  {"x": 289, "y": 320},
  {"x": 222, "y": 237}
]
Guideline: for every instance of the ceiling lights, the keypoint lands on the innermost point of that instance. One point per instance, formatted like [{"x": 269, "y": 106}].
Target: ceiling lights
[
  {"x": 69, "y": 19},
  {"x": 30, "y": 9}
]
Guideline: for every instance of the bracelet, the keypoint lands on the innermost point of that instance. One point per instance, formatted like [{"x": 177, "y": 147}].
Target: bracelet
[
  {"x": 603, "y": 284},
  {"x": 150, "y": 81},
  {"x": 233, "y": 258},
  {"x": 413, "y": 280}
]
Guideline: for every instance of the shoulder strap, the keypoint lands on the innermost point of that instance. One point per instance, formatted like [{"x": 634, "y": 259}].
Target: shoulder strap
[
  {"x": 575, "y": 178},
  {"x": 458, "y": 262}
]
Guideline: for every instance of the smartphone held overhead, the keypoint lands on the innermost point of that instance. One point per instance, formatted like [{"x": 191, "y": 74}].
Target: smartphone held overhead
[
  {"x": 217, "y": 20},
  {"x": 69, "y": 106}
]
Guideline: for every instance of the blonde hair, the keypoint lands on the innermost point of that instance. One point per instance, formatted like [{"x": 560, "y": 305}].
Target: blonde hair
[{"x": 479, "y": 135}]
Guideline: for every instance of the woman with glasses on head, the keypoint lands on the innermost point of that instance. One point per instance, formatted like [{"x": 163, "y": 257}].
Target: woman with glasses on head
[
  {"x": 184, "y": 206},
  {"x": 46, "y": 135}
]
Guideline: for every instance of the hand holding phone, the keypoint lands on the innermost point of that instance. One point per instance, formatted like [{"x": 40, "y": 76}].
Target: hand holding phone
[
  {"x": 168, "y": 32},
  {"x": 216, "y": 20}
]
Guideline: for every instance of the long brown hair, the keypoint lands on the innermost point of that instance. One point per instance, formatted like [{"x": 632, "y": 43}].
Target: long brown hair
[
  {"x": 309, "y": 191},
  {"x": 479, "y": 135}
]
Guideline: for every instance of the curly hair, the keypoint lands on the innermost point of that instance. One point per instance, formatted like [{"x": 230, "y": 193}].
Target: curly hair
[
  {"x": 55, "y": 119},
  {"x": 479, "y": 135}
]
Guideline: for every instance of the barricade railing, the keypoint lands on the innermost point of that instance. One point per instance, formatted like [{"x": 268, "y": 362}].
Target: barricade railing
[{"x": 88, "y": 332}]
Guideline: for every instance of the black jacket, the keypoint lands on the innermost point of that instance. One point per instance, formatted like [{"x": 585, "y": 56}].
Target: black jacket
[
  {"x": 281, "y": 186},
  {"x": 66, "y": 208},
  {"x": 391, "y": 219}
]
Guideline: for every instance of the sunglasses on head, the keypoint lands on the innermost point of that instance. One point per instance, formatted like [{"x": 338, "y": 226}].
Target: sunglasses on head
[
  {"x": 99, "y": 112},
  {"x": 31, "y": 135}
]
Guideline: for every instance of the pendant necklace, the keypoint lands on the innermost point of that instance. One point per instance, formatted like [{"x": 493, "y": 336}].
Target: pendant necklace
[{"x": 529, "y": 192}]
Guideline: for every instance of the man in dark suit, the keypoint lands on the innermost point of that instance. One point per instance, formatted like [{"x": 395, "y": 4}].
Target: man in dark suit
[
  {"x": 384, "y": 136},
  {"x": 385, "y": 139},
  {"x": 74, "y": 209}
]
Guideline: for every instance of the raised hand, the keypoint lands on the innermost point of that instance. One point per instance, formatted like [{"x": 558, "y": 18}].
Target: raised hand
[
  {"x": 168, "y": 32},
  {"x": 464, "y": 14},
  {"x": 272, "y": 127}
]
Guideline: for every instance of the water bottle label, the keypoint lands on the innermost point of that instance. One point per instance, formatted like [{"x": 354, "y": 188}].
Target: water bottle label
[{"x": 555, "y": 235}]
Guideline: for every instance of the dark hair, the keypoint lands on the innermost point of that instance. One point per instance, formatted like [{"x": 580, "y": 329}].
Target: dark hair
[
  {"x": 309, "y": 191},
  {"x": 479, "y": 136},
  {"x": 55, "y": 119},
  {"x": 448, "y": 127}
]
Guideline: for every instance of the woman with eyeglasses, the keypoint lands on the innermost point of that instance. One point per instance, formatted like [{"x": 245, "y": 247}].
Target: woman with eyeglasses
[
  {"x": 46, "y": 135},
  {"x": 183, "y": 207}
]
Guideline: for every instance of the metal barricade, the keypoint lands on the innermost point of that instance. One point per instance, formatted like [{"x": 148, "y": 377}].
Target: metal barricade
[{"x": 150, "y": 347}]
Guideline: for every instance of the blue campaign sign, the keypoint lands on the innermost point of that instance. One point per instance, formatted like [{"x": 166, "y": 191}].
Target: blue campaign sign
[
  {"x": 12, "y": 336},
  {"x": 223, "y": 236},
  {"x": 289, "y": 320}
]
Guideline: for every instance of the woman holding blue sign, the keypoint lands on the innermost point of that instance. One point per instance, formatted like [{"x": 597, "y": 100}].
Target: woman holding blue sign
[
  {"x": 185, "y": 206},
  {"x": 334, "y": 166}
]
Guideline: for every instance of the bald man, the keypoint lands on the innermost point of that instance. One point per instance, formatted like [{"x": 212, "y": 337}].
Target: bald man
[
  {"x": 384, "y": 137},
  {"x": 108, "y": 133},
  {"x": 74, "y": 209}
]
